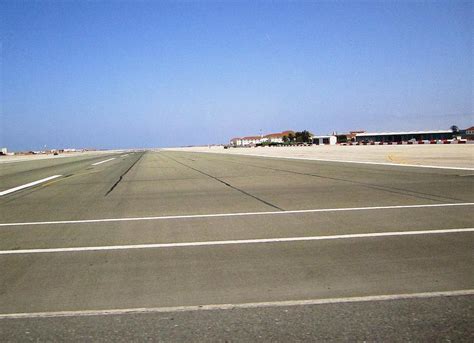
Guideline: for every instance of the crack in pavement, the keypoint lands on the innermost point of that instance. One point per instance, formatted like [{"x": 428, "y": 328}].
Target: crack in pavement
[
  {"x": 123, "y": 174},
  {"x": 419, "y": 195},
  {"x": 227, "y": 184}
]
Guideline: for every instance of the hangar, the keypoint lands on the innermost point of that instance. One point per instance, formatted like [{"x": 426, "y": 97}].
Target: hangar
[{"x": 405, "y": 136}]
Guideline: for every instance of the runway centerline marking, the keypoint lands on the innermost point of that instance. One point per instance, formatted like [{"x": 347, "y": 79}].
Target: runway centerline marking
[
  {"x": 234, "y": 242},
  {"x": 214, "y": 307},
  {"x": 237, "y": 214},
  {"x": 31, "y": 184},
  {"x": 97, "y": 163}
]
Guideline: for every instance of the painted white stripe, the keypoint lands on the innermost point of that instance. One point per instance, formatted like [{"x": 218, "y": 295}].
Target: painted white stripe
[
  {"x": 233, "y": 242},
  {"x": 31, "y": 184},
  {"x": 97, "y": 163},
  {"x": 124, "y": 155},
  {"x": 238, "y": 214},
  {"x": 340, "y": 161},
  {"x": 284, "y": 303}
]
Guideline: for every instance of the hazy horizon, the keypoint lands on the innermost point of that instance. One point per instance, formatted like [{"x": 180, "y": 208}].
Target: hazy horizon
[{"x": 158, "y": 74}]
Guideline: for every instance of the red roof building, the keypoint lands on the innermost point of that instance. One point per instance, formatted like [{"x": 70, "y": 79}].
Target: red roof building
[{"x": 272, "y": 137}]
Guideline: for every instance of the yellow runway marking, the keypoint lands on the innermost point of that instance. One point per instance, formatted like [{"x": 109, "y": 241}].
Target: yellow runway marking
[
  {"x": 396, "y": 159},
  {"x": 66, "y": 178}
]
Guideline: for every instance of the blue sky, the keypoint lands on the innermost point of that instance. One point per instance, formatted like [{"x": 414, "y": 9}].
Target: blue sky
[{"x": 154, "y": 74}]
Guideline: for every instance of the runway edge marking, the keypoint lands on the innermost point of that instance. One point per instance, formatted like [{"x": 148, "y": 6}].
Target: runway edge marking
[
  {"x": 329, "y": 160},
  {"x": 237, "y": 214},
  {"x": 232, "y": 242},
  {"x": 214, "y": 307}
]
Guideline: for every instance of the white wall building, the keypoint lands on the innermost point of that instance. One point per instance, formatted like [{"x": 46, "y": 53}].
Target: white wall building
[
  {"x": 236, "y": 141},
  {"x": 247, "y": 141},
  {"x": 325, "y": 140},
  {"x": 252, "y": 140},
  {"x": 278, "y": 137}
]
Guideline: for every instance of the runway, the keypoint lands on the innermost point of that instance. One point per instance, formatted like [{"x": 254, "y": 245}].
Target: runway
[{"x": 150, "y": 235}]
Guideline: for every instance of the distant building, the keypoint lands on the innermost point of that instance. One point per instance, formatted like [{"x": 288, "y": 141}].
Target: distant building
[
  {"x": 347, "y": 137},
  {"x": 469, "y": 133},
  {"x": 277, "y": 137},
  {"x": 351, "y": 137},
  {"x": 236, "y": 141},
  {"x": 324, "y": 140},
  {"x": 404, "y": 136},
  {"x": 3, "y": 151},
  {"x": 254, "y": 140}
]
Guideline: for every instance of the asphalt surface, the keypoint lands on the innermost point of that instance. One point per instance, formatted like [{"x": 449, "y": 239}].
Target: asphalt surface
[
  {"x": 156, "y": 184},
  {"x": 434, "y": 320}
]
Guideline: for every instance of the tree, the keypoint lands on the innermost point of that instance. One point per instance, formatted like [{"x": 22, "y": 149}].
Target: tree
[
  {"x": 342, "y": 138},
  {"x": 285, "y": 138},
  {"x": 291, "y": 137},
  {"x": 455, "y": 130},
  {"x": 305, "y": 136}
]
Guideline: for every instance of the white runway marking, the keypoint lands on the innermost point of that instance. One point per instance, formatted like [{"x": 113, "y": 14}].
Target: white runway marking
[
  {"x": 379, "y": 163},
  {"x": 31, "y": 184},
  {"x": 97, "y": 163},
  {"x": 343, "y": 161},
  {"x": 238, "y": 214},
  {"x": 124, "y": 155},
  {"x": 233, "y": 242},
  {"x": 370, "y": 298}
]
